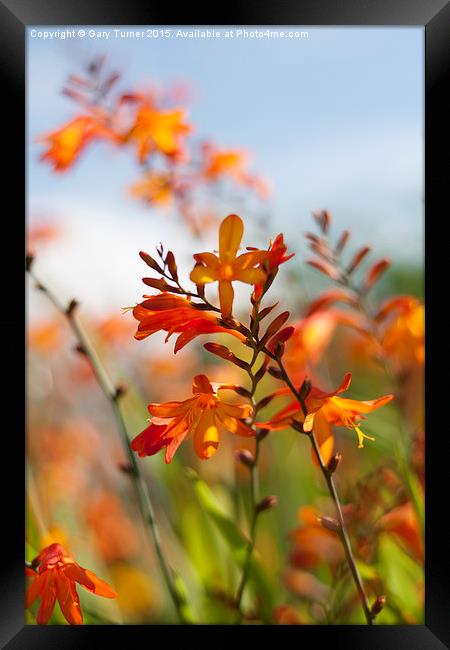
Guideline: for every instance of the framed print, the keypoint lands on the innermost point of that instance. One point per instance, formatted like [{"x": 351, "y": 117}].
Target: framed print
[{"x": 227, "y": 392}]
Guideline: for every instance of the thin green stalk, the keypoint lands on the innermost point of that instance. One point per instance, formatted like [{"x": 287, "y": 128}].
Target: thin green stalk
[
  {"x": 113, "y": 395},
  {"x": 254, "y": 474}
]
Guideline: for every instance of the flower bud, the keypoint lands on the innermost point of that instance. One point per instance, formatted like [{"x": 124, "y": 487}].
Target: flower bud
[
  {"x": 305, "y": 389},
  {"x": 127, "y": 468},
  {"x": 275, "y": 372},
  {"x": 343, "y": 239},
  {"x": 172, "y": 265},
  {"x": 245, "y": 457},
  {"x": 73, "y": 304},
  {"x": 330, "y": 523},
  {"x": 29, "y": 259},
  {"x": 267, "y": 503},
  {"x": 378, "y": 606},
  {"x": 120, "y": 392},
  {"x": 261, "y": 434},
  {"x": 148, "y": 259},
  {"x": 333, "y": 463}
]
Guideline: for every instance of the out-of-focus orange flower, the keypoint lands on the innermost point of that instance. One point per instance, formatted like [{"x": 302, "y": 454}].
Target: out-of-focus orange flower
[
  {"x": 155, "y": 187},
  {"x": 56, "y": 578},
  {"x": 308, "y": 343},
  {"x": 114, "y": 533},
  {"x": 226, "y": 267},
  {"x": 66, "y": 143},
  {"x": 285, "y": 615},
  {"x": 158, "y": 130},
  {"x": 223, "y": 162},
  {"x": 323, "y": 410},
  {"x": 43, "y": 232},
  {"x": 231, "y": 163},
  {"x": 314, "y": 544},
  {"x": 176, "y": 314},
  {"x": 114, "y": 328},
  {"x": 136, "y": 595},
  {"x": 403, "y": 330},
  {"x": 46, "y": 336},
  {"x": 403, "y": 524},
  {"x": 203, "y": 415}
]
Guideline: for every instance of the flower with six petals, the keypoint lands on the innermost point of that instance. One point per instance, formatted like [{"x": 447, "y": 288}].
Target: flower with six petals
[
  {"x": 204, "y": 415},
  {"x": 55, "y": 579},
  {"x": 227, "y": 266},
  {"x": 323, "y": 410}
]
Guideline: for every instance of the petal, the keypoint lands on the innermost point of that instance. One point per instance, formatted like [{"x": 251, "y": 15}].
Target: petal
[
  {"x": 75, "y": 573},
  {"x": 234, "y": 425},
  {"x": 236, "y": 410},
  {"x": 250, "y": 276},
  {"x": 247, "y": 260},
  {"x": 48, "y": 600},
  {"x": 35, "y": 589},
  {"x": 150, "y": 441},
  {"x": 226, "y": 295},
  {"x": 170, "y": 409},
  {"x": 68, "y": 600},
  {"x": 206, "y": 435},
  {"x": 173, "y": 446},
  {"x": 201, "y": 384},
  {"x": 208, "y": 259},
  {"x": 324, "y": 436},
  {"x": 230, "y": 235},
  {"x": 101, "y": 588},
  {"x": 361, "y": 407},
  {"x": 203, "y": 274}
]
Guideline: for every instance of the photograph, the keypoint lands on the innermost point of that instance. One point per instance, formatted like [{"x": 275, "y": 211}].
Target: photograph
[{"x": 225, "y": 336}]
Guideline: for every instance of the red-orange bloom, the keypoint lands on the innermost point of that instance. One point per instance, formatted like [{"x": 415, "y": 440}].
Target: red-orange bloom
[
  {"x": 277, "y": 252},
  {"x": 204, "y": 416},
  {"x": 56, "y": 578},
  {"x": 176, "y": 314},
  {"x": 323, "y": 410},
  {"x": 66, "y": 143}
]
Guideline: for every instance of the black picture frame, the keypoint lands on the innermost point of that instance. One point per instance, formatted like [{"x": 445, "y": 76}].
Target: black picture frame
[{"x": 434, "y": 16}]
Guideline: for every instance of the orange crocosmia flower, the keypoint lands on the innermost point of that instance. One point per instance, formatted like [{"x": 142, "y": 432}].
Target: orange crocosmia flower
[
  {"x": 403, "y": 336},
  {"x": 323, "y": 410},
  {"x": 277, "y": 253},
  {"x": 308, "y": 343},
  {"x": 402, "y": 522},
  {"x": 176, "y": 314},
  {"x": 158, "y": 130},
  {"x": 223, "y": 162},
  {"x": 203, "y": 415},
  {"x": 66, "y": 144},
  {"x": 155, "y": 187},
  {"x": 226, "y": 267},
  {"x": 56, "y": 577},
  {"x": 314, "y": 544}
]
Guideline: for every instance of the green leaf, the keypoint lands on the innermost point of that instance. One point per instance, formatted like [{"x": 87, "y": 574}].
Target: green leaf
[{"x": 236, "y": 541}]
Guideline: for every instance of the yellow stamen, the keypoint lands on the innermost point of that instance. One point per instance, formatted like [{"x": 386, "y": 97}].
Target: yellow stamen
[{"x": 361, "y": 437}]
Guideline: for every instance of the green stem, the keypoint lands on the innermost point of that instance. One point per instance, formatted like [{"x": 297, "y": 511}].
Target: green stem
[
  {"x": 254, "y": 478},
  {"x": 113, "y": 395}
]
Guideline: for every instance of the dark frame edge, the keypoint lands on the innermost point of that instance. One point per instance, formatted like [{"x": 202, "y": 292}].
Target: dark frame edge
[
  {"x": 437, "y": 69},
  {"x": 14, "y": 634}
]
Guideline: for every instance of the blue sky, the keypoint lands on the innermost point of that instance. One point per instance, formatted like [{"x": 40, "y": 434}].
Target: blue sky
[{"x": 334, "y": 121}]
